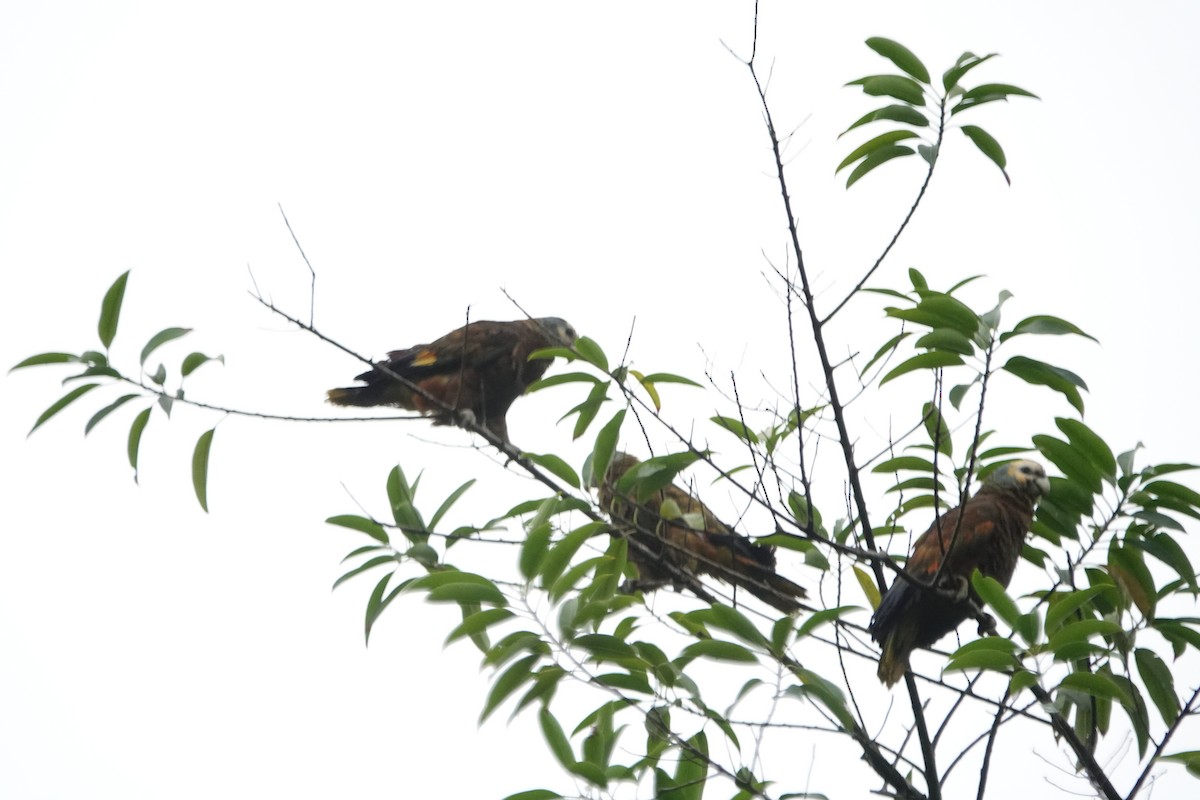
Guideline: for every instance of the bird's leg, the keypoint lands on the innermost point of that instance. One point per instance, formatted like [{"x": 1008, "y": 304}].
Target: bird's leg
[{"x": 954, "y": 587}]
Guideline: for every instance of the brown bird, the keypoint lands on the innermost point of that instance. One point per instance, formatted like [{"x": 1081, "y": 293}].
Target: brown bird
[
  {"x": 675, "y": 539},
  {"x": 985, "y": 533},
  {"x": 477, "y": 370}
]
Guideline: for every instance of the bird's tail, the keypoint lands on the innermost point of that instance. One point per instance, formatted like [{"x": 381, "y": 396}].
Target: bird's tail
[
  {"x": 895, "y": 632},
  {"x": 352, "y": 396},
  {"x": 752, "y": 567}
]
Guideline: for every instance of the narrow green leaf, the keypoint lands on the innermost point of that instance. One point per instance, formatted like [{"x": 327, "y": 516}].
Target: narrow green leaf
[
  {"x": 895, "y": 113},
  {"x": 925, "y": 361},
  {"x": 991, "y": 148},
  {"x": 366, "y": 565},
  {"x": 533, "y": 551},
  {"x": 135, "y": 438},
  {"x": 449, "y": 502},
  {"x": 200, "y": 467},
  {"x": 1044, "y": 325},
  {"x": 104, "y": 412},
  {"x": 904, "y": 89},
  {"x": 1064, "y": 604},
  {"x": 46, "y": 358},
  {"x": 718, "y": 650},
  {"x": 875, "y": 159},
  {"x": 868, "y": 586},
  {"x": 195, "y": 360},
  {"x": 110, "y": 310},
  {"x": 567, "y": 377},
  {"x": 555, "y": 466},
  {"x": 947, "y": 339},
  {"x": 737, "y": 623},
  {"x": 1128, "y": 569},
  {"x": 901, "y": 56},
  {"x": 992, "y": 593},
  {"x": 535, "y": 794},
  {"x": 666, "y": 377},
  {"x": 691, "y": 772},
  {"x": 938, "y": 429},
  {"x": 560, "y": 554},
  {"x": 1041, "y": 374},
  {"x": 915, "y": 463},
  {"x": 1075, "y": 464},
  {"x": 361, "y": 524},
  {"x": 606, "y": 445},
  {"x": 467, "y": 593},
  {"x": 560, "y": 746},
  {"x": 1085, "y": 440},
  {"x": 966, "y": 62},
  {"x": 872, "y": 145},
  {"x": 1096, "y": 684},
  {"x": 737, "y": 428},
  {"x": 61, "y": 403},
  {"x": 592, "y": 353},
  {"x": 161, "y": 338},
  {"x": 376, "y": 604},
  {"x": 517, "y": 674},
  {"x": 1159, "y": 682}
]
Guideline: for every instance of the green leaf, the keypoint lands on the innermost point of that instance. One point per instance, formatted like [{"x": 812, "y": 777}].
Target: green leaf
[
  {"x": 361, "y": 524},
  {"x": 110, "y": 310},
  {"x": 904, "y": 89},
  {"x": 376, "y": 604},
  {"x": 1189, "y": 758},
  {"x": 200, "y": 467},
  {"x": 988, "y": 145},
  {"x": 1041, "y": 374},
  {"x": 880, "y": 156},
  {"x": 135, "y": 438},
  {"x": 829, "y": 694},
  {"x": 888, "y": 347},
  {"x": 1095, "y": 684},
  {"x": 718, "y": 650},
  {"x": 556, "y": 466},
  {"x": 895, "y": 113},
  {"x": 938, "y": 429},
  {"x": 947, "y": 339},
  {"x": 1086, "y": 441},
  {"x": 1065, "y": 642},
  {"x": 560, "y": 746},
  {"x": 561, "y": 553},
  {"x": 915, "y": 463},
  {"x": 61, "y": 403},
  {"x": 825, "y": 615},
  {"x": 992, "y": 592},
  {"x": 366, "y": 565},
  {"x": 1044, "y": 325},
  {"x": 872, "y": 145},
  {"x": 934, "y": 360},
  {"x": 988, "y": 92},
  {"x": 602, "y": 451},
  {"x": 467, "y": 592},
  {"x": 868, "y": 586},
  {"x": 1159, "y": 682},
  {"x": 966, "y": 62},
  {"x": 899, "y": 55},
  {"x": 567, "y": 377},
  {"x": 591, "y": 353},
  {"x": 1063, "y": 604},
  {"x": 737, "y": 428},
  {"x": 449, "y": 502},
  {"x": 46, "y": 358},
  {"x": 1128, "y": 569},
  {"x": 993, "y": 652},
  {"x": 535, "y": 794},
  {"x": 937, "y": 310},
  {"x": 533, "y": 551},
  {"x": 730, "y": 619},
  {"x": 161, "y": 338},
  {"x": 1075, "y": 465},
  {"x": 691, "y": 772},
  {"x": 195, "y": 360},
  {"x": 104, "y": 412},
  {"x": 518, "y": 673},
  {"x": 666, "y": 377}
]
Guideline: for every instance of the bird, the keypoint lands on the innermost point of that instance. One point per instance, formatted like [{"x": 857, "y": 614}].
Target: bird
[
  {"x": 675, "y": 538},
  {"x": 474, "y": 372},
  {"x": 985, "y": 533}
]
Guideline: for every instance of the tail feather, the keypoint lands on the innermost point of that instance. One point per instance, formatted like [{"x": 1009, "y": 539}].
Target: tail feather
[
  {"x": 778, "y": 592},
  {"x": 895, "y": 632},
  {"x": 352, "y": 396}
]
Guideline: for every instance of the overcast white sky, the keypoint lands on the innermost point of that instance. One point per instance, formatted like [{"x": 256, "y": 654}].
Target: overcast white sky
[{"x": 602, "y": 162}]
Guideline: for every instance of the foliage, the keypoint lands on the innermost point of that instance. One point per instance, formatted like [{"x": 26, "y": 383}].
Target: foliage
[{"x": 1101, "y": 634}]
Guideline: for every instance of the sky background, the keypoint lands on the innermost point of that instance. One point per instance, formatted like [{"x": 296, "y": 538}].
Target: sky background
[{"x": 602, "y": 163}]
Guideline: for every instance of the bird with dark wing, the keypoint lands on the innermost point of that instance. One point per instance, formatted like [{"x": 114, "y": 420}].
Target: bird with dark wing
[
  {"x": 675, "y": 539},
  {"x": 985, "y": 533},
  {"x": 477, "y": 370}
]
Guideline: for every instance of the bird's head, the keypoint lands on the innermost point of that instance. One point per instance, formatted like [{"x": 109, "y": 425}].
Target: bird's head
[
  {"x": 558, "y": 329},
  {"x": 1024, "y": 477}
]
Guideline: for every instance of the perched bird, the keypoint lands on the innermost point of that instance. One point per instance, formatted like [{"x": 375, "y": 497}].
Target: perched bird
[
  {"x": 675, "y": 539},
  {"x": 985, "y": 533},
  {"x": 477, "y": 370}
]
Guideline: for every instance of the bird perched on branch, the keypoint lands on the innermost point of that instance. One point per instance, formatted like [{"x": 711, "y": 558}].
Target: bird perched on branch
[
  {"x": 477, "y": 370},
  {"x": 674, "y": 539},
  {"x": 985, "y": 533}
]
